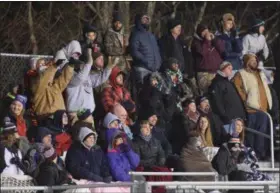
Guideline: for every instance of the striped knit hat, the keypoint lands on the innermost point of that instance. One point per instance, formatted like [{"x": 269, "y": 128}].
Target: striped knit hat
[{"x": 8, "y": 126}]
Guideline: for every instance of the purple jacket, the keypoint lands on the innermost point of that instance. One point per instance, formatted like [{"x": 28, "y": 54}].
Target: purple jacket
[{"x": 122, "y": 159}]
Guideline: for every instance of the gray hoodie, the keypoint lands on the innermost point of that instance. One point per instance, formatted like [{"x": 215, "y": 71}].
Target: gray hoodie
[
  {"x": 109, "y": 118},
  {"x": 79, "y": 92},
  {"x": 85, "y": 132}
]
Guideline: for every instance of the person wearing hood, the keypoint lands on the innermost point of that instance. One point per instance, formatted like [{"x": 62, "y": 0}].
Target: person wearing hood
[
  {"x": 116, "y": 42},
  {"x": 90, "y": 40},
  {"x": 86, "y": 160},
  {"x": 216, "y": 125},
  {"x": 121, "y": 113},
  {"x": 144, "y": 48},
  {"x": 58, "y": 124},
  {"x": 79, "y": 92},
  {"x": 255, "y": 42},
  {"x": 116, "y": 92},
  {"x": 237, "y": 129},
  {"x": 47, "y": 90},
  {"x": 207, "y": 52},
  {"x": 171, "y": 44},
  {"x": 223, "y": 96},
  {"x": 252, "y": 87},
  {"x": 16, "y": 114},
  {"x": 121, "y": 157},
  {"x": 233, "y": 43}
]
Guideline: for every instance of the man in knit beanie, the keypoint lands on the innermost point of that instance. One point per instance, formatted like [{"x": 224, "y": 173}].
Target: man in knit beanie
[
  {"x": 252, "y": 87},
  {"x": 116, "y": 42}
]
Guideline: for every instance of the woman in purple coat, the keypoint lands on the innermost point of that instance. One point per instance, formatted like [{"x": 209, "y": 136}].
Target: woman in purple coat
[{"x": 121, "y": 157}]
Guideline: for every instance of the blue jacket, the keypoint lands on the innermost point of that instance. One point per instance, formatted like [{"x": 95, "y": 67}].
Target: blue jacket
[
  {"x": 144, "y": 48},
  {"x": 233, "y": 50},
  {"x": 83, "y": 163},
  {"x": 121, "y": 159}
]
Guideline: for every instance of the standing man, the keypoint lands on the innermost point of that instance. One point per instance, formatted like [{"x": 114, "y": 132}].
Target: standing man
[
  {"x": 207, "y": 53},
  {"x": 144, "y": 49},
  {"x": 115, "y": 43},
  {"x": 252, "y": 87},
  {"x": 171, "y": 46}
]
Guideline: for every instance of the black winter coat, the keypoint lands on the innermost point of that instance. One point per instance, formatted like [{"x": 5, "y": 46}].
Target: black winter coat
[
  {"x": 50, "y": 174},
  {"x": 151, "y": 153},
  {"x": 169, "y": 47},
  {"x": 225, "y": 101}
]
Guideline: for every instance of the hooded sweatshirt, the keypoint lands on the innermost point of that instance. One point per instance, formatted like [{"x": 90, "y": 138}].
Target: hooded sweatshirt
[
  {"x": 109, "y": 118},
  {"x": 87, "y": 163},
  {"x": 79, "y": 93},
  {"x": 115, "y": 93},
  {"x": 144, "y": 48},
  {"x": 121, "y": 161}
]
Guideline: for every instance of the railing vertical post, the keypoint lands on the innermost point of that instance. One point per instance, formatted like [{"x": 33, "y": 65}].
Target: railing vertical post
[
  {"x": 147, "y": 187},
  {"x": 266, "y": 189}
]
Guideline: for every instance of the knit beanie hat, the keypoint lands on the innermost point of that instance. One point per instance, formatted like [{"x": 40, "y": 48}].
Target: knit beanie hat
[
  {"x": 200, "y": 99},
  {"x": 171, "y": 61},
  {"x": 83, "y": 114},
  {"x": 224, "y": 64},
  {"x": 257, "y": 23},
  {"x": 172, "y": 23},
  {"x": 248, "y": 57},
  {"x": 117, "y": 17},
  {"x": 146, "y": 113},
  {"x": 96, "y": 55},
  {"x": 22, "y": 99},
  {"x": 200, "y": 28},
  {"x": 8, "y": 127},
  {"x": 49, "y": 153}
]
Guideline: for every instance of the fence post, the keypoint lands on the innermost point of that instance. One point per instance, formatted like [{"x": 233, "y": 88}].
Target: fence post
[
  {"x": 266, "y": 189},
  {"x": 147, "y": 187}
]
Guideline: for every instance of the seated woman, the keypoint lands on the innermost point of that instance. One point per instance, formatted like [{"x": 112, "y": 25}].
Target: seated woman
[
  {"x": 59, "y": 127},
  {"x": 10, "y": 162},
  {"x": 236, "y": 128},
  {"x": 183, "y": 124},
  {"x": 204, "y": 131},
  {"x": 121, "y": 157},
  {"x": 16, "y": 114},
  {"x": 116, "y": 92},
  {"x": 192, "y": 159}
]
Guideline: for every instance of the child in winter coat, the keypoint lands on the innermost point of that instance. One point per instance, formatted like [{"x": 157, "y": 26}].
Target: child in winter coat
[
  {"x": 116, "y": 92},
  {"x": 121, "y": 157}
]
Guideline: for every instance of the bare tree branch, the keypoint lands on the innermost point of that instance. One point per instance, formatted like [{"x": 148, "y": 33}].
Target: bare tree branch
[
  {"x": 92, "y": 8},
  {"x": 243, "y": 14},
  {"x": 31, "y": 29}
]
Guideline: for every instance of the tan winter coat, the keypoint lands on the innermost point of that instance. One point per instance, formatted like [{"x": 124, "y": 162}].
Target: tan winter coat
[{"x": 47, "y": 94}]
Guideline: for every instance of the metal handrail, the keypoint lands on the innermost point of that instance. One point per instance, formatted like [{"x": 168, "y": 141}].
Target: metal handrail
[
  {"x": 173, "y": 173},
  {"x": 25, "y": 55}
]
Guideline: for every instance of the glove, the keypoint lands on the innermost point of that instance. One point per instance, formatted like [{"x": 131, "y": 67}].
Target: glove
[
  {"x": 125, "y": 147},
  {"x": 59, "y": 62},
  {"x": 107, "y": 179},
  {"x": 74, "y": 62},
  {"x": 129, "y": 106}
]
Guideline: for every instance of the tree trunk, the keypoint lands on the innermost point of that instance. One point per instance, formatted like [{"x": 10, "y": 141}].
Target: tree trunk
[
  {"x": 31, "y": 29},
  {"x": 107, "y": 10},
  {"x": 151, "y": 8},
  {"x": 124, "y": 9}
]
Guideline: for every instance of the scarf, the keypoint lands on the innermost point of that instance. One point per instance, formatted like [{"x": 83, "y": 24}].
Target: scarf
[
  {"x": 146, "y": 138},
  {"x": 178, "y": 75}
]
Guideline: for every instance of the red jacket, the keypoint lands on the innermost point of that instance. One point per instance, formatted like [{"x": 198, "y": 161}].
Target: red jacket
[
  {"x": 114, "y": 93},
  {"x": 207, "y": 54}
]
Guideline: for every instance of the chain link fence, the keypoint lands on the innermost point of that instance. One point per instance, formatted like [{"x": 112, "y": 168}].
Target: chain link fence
[{"x": 13, "y": 68}]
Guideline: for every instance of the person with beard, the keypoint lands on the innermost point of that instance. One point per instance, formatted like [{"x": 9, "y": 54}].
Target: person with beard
[
  {"x": 90, "y": 40},
  {"x": 207, "y": 53},
  {"x": 255, "y": 41},
  {"x": 252, "y": 87},
  {"x": 11, "y": 157},
  {"x": 116, "y": 42},
  {"x": 144, "y": 49},
  {"x": 116, "y": 92},
  {"x": 216, "y": 125},
  {"x": 47, "y": 90}
]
